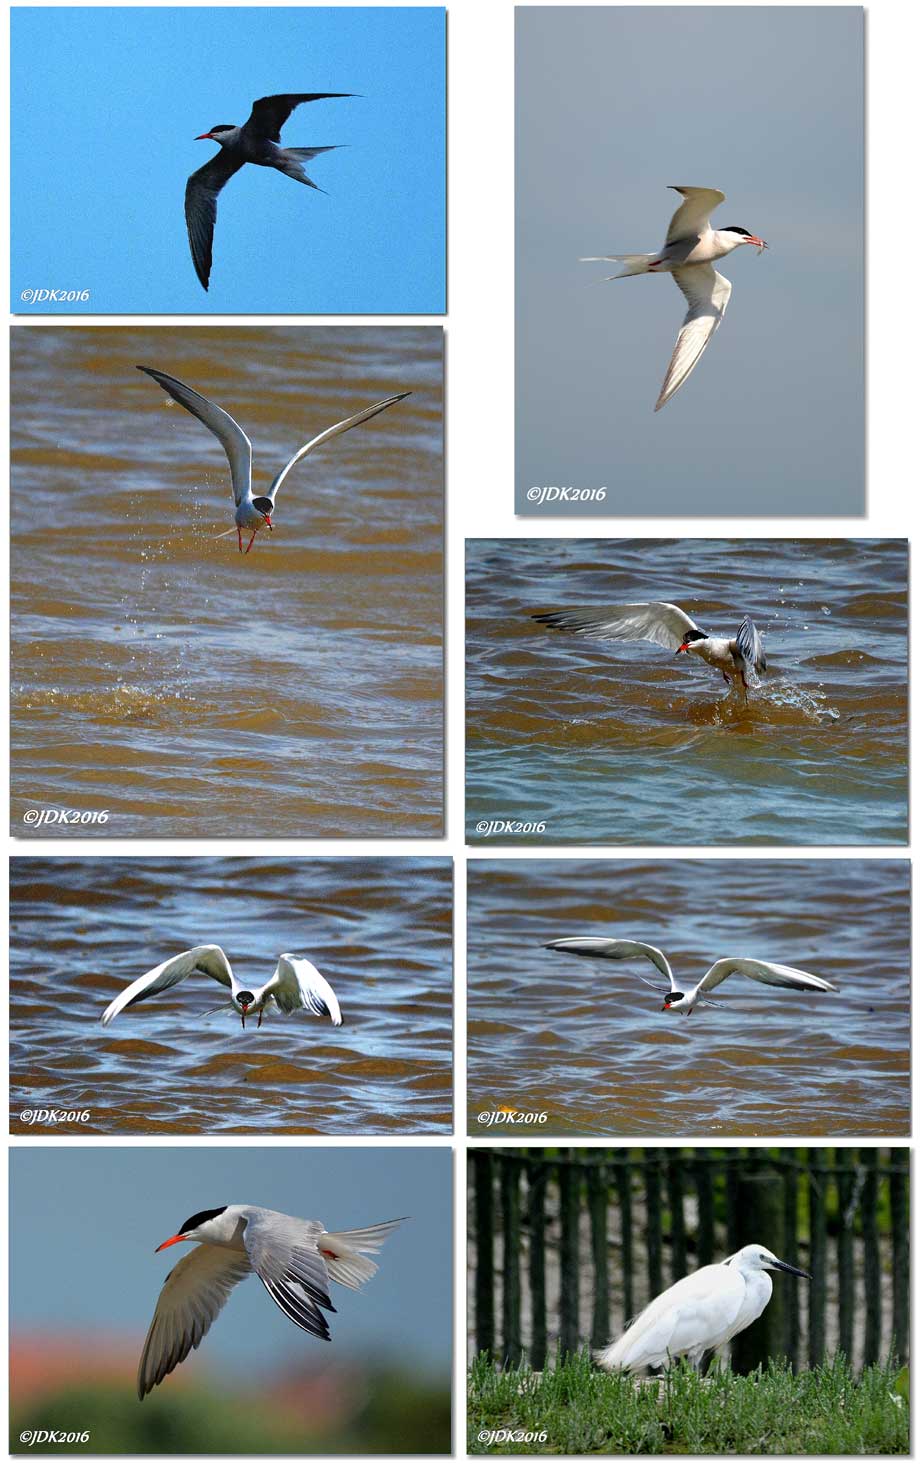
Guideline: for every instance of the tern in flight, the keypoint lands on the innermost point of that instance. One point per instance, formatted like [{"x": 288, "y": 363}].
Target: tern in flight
[
  {"x": 252, "y": 511},
  {"x": 295, "y": 984},
  {"x": 295, "y": 1258},
  {"x": 699, "y": 1313},
  {"x": 739, "y": 659},
  {"x": 257, "y": 141},
  {"x": 678, "y": 1001},
  {"x": 687, "y": 253}
]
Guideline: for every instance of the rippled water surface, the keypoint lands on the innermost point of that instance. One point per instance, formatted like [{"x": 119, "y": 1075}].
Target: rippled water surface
[
  {"x": 624, "y": 743},
  {"x": 186, "y": 689},
  {"x": 379, "y": 929},
  {"x": 588, "y": 1042}
]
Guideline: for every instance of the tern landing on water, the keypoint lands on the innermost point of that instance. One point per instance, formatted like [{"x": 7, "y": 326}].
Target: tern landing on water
[
  {"x": 295, "y": 984},
  {"x": 252, "y": 511},
  {"x": 679, "y": 1001},
  {"x": 739, "y": 659},
  {"x": 687, "y": 253},
  {"x": 295, "y": 1258},
  {"x": 257, "y": 141}
]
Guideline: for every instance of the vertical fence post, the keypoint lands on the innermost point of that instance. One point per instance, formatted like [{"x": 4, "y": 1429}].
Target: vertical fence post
[
  {"x": 900, "y": 1250},
  {"x": 760, "y": 1215},
  {"x": 485, "y": 1263},
  {"x": 675, "y": 1180},
  {"x": 569, "y": 1196},
  {"x": 624, "y": 1199},
  {"x": 652, "y": 1170},
  {"x": 791, "y": 1251},
  {"x": 597, "y": 1207},
  {"x": 510, "y": 1171},
  {"x": 817, "y": 1228},
  {"x": 846, "y": 1203},
  {"x": 706, "y": 1241},
  {"x": 872, "y": 1268},
  {"x": 536, "y": 1212}
]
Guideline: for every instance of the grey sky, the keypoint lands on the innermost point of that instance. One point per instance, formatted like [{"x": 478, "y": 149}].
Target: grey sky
[
  {"x": 766, "y": 104},
  {"x": 121, "y": 1202}
]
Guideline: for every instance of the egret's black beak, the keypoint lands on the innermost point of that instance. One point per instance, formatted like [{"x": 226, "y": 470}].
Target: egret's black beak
[{"x": 790, "y": 1269}]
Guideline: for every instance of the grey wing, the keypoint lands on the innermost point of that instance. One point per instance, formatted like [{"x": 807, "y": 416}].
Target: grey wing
[
  {"x": 653, "y": 621},
  {"x": 616, "y": 948},
  {"x": 298, "y": 984},
  {"x": 201, "y": 192},
  {"x": 333, "y": 432},
  {"x": 269, "y": 114},
  {"x": 706, "y": 293},
  {"x": 750, "y": 647},
  {"x": 207, "y": 959},
  {"x": 767, "y": 973},
  {"x": 192, "y": 1296},
  {"x": 224, "y": 428},
  {"x": 284, "y": 1252},
  {"x": 692, "y": 216}
]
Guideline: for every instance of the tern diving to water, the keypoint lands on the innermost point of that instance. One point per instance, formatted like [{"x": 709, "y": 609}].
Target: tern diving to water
[
  {"x": 689, "y": 249},
  {"x": 252, "y": 511},
  {"x": 678, "y": 1001},
  {"x": 257, "y": 141},
  {"x": 739, "y": 659}
]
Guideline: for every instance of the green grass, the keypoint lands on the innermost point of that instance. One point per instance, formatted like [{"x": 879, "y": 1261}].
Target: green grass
[{"x": 583, "y": 1410}]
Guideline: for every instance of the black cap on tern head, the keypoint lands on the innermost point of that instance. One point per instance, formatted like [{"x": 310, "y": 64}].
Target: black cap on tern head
[
  {"x": 244, "y": 997},
  {"x": 198, "y": 1218},
  {"x": 263, "y": 504},
  {"x": 735, "y": 229}
]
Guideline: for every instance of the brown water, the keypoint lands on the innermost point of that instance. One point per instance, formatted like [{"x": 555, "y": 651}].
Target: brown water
[
  {"x": 624, "y": 743},
  {"x": 190, "y": 691},
  {"x": 587, "y": 1042},
  {"x": 378, "y": 928}
]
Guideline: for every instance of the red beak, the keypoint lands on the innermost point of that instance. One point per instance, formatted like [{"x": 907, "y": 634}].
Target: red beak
[
  {"x": 268, "y": 522},
  {"x": 683, "y": 648},
  {"x": 754, "y": 239},
  {"x": 176, "y": 1239},
  {"x": 201, "y": 136}
]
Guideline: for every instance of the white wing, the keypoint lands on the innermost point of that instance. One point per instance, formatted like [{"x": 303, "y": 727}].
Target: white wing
[
  {"x": 687, "y": 1319},
  {"x": 767, "y": 973},
  {"x": 707, "y": 294},
  {"x": 192, "y": 1296},
  {"x": 235, "y": 443},
  {"x": 615, "y": 948},
  {"x": 750, "y": 647},
  {"x": 692, "y": 217},
  {"x": 333, "y": 432},
  {"x": 297, "y": 984},
  {"x": 207, "y": 959},
  {"x": 651, "y": 621}
]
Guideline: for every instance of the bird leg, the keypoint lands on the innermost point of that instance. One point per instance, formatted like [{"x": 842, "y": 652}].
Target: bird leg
[
  {"x": 251, "y": 539},
  {"x": 261, "y": 1011},
  {"x": 239, "y": 537}
]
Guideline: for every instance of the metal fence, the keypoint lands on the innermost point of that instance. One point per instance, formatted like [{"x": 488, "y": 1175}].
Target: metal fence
[{"x": 568, "y": 1245}]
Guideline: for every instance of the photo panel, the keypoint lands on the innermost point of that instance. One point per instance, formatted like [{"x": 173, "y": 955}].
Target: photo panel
[
  {"x": 667, "y": 998},
  {"x": 308, "y": 201},
  {"x": 346, "y": 1350},
  {"x": 689, "y": 1300},
  {"x": 322, "y": 1003},
  {"x": 694, "y": 137},
  {"x": 687, "y": 692},
  {"x": 192, "y": 659}
]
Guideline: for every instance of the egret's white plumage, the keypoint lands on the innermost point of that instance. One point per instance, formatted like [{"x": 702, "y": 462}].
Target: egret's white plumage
[{"x": 699, "y": 1313}]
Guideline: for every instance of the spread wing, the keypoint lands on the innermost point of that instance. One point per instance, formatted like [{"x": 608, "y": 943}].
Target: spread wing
[
  {"x": 192, "y": 1297},
  {"x": 201, "y": 192},
  {"x": 647, "y": 621},
  {"x": 707, "y": 294},
  {"x": 225, "y": 429},
  {"x": 269, "y": 114},
  {"x": 296, "y": 984},
  {"x": 616, "y": 948},
  {"x": 285, "y": 1255},
  {"x": 333, "y": 432},
  {"x": 207, "y": 959},
  {"x": 692, "y": 216},
  {"x": 767, "y": 973},
  {"x": 750, "y": 647}
]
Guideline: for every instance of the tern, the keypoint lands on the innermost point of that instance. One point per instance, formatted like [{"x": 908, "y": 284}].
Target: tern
[
  {"x": 699, "y": 1313},
  {"x": 739, "y": 659},
  {"x": 257, "y": 141},
  {"x": 295, "y": 1258},
  {"x": 252, "y": 511},
  {"x": 689, "y": 249},
  {"x": 295, "y": 984},
  {"x": 678, "y": 1001}
]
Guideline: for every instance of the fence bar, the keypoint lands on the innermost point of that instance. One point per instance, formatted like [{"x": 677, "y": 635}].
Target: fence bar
[
  {"x": 847, "y": 1198},
  {"x": 485, "y": 1238},
  {"x": 624, "y": 1199},
  {"x": 675, "y": 1180},
  {"x": 536, "y": 1276},
  {"x": 817, "y": 1227},
  {"x": 872, "y": 1268},
  {"x": 706, "y": 1240},
  {"x": 597, "y": 1208},
  {"x": 652, "y": 1171},
  {"x": 900, "y": 1255},
  {"x": 760, "y": 1208},
  {"x": 791, "y": 1252},
  {"x": 511, "y": 1259},
  {"x": 569, "y": 1195}
]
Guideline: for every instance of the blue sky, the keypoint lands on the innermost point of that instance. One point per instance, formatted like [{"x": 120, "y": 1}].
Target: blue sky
[
  {"x": 766, "y": 104},
  {"x": 122, "y": 1202},
  {"x": 106, "y": 105}
]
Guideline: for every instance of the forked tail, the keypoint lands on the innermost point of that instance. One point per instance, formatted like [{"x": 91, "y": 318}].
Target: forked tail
[
  {"x": 633, "y": 264},
  {"x": 344, "y": 1252}
]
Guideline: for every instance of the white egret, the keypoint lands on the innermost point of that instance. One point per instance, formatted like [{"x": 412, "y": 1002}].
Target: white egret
[{"x": 699, "y": 1313}]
